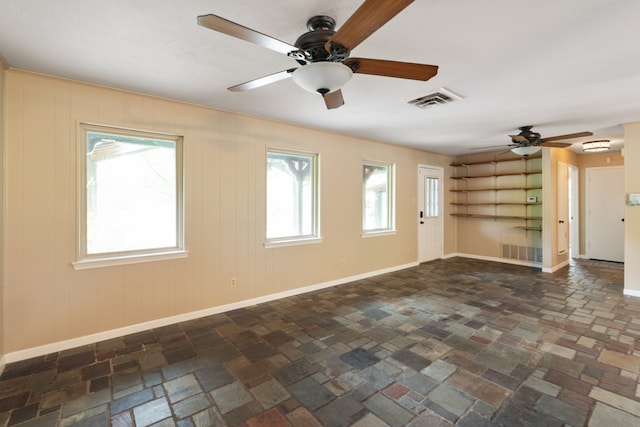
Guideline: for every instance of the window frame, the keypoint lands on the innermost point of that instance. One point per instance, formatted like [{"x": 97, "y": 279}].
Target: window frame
[
  {"x": 303, "y": 239},
  {"x": 391, "y": 199},
  {"x": 85, "y": 260}
]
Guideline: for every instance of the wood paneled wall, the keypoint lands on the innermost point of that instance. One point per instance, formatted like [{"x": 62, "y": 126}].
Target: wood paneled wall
[{"x": 48, "y": 301}]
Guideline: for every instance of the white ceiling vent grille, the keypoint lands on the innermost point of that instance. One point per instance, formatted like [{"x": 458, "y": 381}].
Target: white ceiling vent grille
[{"x": 442, "y": 96}]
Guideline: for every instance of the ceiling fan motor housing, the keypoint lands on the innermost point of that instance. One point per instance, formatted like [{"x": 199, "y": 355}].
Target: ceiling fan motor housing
[
  {"x": 321, "y": 29},
  {"x": 531, "y": 136}
]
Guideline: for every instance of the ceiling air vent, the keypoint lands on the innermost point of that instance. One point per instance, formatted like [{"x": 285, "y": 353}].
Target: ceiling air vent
[{"x": 442, "y": 96}]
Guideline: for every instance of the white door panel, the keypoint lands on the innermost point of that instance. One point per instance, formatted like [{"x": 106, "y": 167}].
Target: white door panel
[
  {"x": 605, "y": 213},
  {"x": 430, "y": 211}
]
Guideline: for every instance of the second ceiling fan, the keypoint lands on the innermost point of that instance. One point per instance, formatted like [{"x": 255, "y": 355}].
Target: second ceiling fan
[{"x": 324, "y": 54}]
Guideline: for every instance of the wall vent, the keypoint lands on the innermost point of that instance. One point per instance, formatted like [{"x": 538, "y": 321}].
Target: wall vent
[
  {"x": 521, "y": 253},
  {"x": 442, "y": 96}
]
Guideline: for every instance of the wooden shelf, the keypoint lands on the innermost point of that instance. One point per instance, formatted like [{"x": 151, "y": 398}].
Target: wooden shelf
[
  {"x": 497, "y": 216},
  {"x": 490, "y": 162},
  {"x": 523, "y": 227},
  {"x": 466, "y": 190},
  {"x": 497, "y": 175},
  {"x": 495, "y": 203}
]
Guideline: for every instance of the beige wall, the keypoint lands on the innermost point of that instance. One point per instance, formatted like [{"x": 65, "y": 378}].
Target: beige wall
[
  {"x": 47, "y": 301},
  {"x": 632, "y": 213},
  {"x": 2, "y": 206},
  {"x": 586, "y": 161}
]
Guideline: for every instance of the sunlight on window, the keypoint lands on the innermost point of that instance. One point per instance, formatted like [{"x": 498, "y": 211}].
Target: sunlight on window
[
  {"x": 377, "y": 198},
  {"x": 132, "y": 201},
  {"x": 431, "y": 197},
  {"x": 291, "y": 195}
]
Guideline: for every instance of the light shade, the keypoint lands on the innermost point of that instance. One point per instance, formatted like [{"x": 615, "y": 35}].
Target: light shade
[
  {"x": 526, "y": 150},
  {"x": 322, "y": 77},
  {"x": 594, "y": 146}
]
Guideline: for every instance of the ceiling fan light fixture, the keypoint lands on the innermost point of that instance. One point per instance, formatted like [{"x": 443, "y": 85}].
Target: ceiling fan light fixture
[
  {"x": 595, "y": 146},
  {"x": 526, "y": 150},
  {"x": 322, "y": 77}
]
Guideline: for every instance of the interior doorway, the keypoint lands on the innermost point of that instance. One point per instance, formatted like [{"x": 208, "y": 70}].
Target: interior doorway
[{"x": 430, "y": 213}]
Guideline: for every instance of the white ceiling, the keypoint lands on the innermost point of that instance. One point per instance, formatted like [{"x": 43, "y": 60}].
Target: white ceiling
[{"x": 564, "y": 66}]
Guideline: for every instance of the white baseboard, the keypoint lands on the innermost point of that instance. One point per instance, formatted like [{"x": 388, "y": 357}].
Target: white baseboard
[
  {"x": 139, "y": 327},
  {"x": 631, "y": 293},
  {"x": 3, "y": 363},
  {"x": 555, "y": 267},
  {"x": 494, "y": 259}
]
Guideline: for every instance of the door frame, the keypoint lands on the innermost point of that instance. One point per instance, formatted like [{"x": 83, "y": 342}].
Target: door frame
[
  {"x": 439, "y": 171},
  {"x": 587, "y": 204},
  {"x": 574, "y": 211}
]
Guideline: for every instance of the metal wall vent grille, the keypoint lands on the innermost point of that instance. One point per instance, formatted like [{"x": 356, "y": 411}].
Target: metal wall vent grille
[
  {"x": 521, "y": 253},
  {"x": 443, "y": 96}
]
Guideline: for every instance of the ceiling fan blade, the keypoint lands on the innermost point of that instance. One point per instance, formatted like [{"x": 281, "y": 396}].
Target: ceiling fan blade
[
  {"x": 370, "y": 16},
  {"x": 262, "y": 81},
  {"x": 567, "y": 136},
  {"x": 333, "y": 99},
  {"x": 556, "y": 144},
  {"x": 225, "y": 26},
  {"x": 403, "y": 70}
]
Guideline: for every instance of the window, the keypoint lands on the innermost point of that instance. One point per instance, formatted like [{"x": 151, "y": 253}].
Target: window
[
  {"x": 130, "y": 195},
  {"x": 431, "y": 192},
  {"x": 292, "y": 196},
  {"x": 377, "y": 198}
]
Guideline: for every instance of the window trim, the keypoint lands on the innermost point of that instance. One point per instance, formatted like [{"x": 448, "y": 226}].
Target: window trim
[
  {"x": 85, "y": 260},
  {"x": 316, "y": 236},
  {"x": 391, "y": 200}
]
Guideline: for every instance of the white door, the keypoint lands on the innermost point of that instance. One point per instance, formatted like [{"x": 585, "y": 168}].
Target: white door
[
  {"x": 430, "y": 221},
  {"x": 605, "y": 213},
  {"x": 563, "y": 208}
]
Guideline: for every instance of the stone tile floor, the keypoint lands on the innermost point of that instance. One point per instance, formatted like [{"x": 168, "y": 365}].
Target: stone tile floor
[{"x": 451, "y": 342}]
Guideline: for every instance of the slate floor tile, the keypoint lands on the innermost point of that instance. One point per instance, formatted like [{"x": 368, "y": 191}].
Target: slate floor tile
[
  {"x": 311, "y": 394},
  {"x": 270, "y": 393},
  {"x": 230, "y": 397},
  {"x": 191, "y": 405},
  {"x": 151, "y": 412},
  {"x": 181, "y": 388},
  {"x": 360, "y": 358},
  {"x": 388, "y": 411}
]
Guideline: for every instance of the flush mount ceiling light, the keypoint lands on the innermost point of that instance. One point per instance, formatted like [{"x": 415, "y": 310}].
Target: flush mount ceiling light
[
  {"x": 526, "y": 150},
  {"x": 595, "y": 146},
  {"x": 322, "y": 77}
]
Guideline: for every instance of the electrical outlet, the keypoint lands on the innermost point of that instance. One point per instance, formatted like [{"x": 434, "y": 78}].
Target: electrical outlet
[{"x": 233, "y": 282}]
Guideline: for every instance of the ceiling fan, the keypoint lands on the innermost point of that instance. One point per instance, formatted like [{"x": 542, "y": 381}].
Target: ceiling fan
[
  {"x": 323, "y": 53},
  {"x": 528, "y": 142}
]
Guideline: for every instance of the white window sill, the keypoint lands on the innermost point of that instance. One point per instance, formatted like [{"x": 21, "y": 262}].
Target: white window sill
[
  {"x": 292, "y": 242},
  {"x": 367, "y": 234},
  {"x": 127, "y": 259}
]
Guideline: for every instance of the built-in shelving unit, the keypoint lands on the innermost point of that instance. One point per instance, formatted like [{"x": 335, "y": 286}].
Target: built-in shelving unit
[{"x": 496, "y": 191}]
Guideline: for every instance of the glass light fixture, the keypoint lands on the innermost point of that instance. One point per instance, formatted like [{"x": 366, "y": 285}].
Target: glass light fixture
[
  {"x": 322, "y": 77},
  {"x": 595, "y": 146},
  {"x": 526, "y": 150}
]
